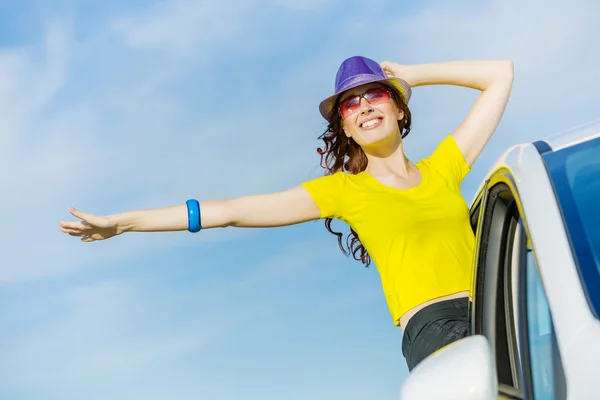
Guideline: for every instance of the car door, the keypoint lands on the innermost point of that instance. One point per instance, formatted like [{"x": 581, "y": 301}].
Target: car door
[{"x": 509, "y": 305}]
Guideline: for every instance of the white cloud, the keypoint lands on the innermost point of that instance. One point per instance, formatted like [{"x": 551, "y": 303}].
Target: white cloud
[
  {"x": 104, "y": 333},
  {"x": 302, "y": 5},
  {"x": 104, "y": 330},
  {"x": 125, "y": 139},
  {"x": 182, "y": 25},
  {"x": 108, "y": 123},
  {"x": 127, "y": 145},
  {"x": 549, "y": 41}
]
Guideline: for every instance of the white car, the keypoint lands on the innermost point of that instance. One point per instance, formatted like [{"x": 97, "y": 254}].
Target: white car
[{"x": 536, "y": 286}]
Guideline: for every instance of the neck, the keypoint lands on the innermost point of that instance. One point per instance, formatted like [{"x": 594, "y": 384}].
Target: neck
[{"x": 387, "y": 158}]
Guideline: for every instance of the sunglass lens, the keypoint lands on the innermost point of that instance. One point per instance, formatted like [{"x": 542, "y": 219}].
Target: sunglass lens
[
  {"x": 349, "y": 106},
  {"x": 377, "y": 96}
]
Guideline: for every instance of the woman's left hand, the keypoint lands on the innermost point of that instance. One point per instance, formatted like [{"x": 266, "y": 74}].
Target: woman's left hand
[{"x": 401, "y": 71}]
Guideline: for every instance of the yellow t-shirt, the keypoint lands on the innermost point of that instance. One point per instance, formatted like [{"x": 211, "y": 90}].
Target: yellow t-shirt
[{"x": 420, "y": 239}]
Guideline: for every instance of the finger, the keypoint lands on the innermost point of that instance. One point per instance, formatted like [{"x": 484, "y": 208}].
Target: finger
[
  {"x": 93, "y": 236},
  {"x": 70, "y": 230},
  {"x": 87, "y": 239},
  {"x": 80, "y": 214},
  {"x": 388, "y": 73},
  {"x": 76, "y": 213},
  {"x": 76, "y": 233},
  {"x": 90, "y": 220},
  {"x": 387, "y": 67},
  {"x": 74, "y": 225}
]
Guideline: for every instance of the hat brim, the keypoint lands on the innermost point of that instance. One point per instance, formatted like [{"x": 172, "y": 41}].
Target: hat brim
[{"x": 327, "y": 106}]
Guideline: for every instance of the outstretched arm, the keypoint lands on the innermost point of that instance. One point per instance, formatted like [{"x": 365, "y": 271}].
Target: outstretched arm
[
  {"x": 287, "y": 207},
  {"x": 493, "y": 78}
]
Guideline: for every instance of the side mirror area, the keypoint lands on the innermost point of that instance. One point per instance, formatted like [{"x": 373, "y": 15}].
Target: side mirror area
[{"x": 463, "y": 370}]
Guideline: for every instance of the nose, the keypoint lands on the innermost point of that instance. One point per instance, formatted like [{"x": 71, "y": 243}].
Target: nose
[{"x": 365, "y": 106}]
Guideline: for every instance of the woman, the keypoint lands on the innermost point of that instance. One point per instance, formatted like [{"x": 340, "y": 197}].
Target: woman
[{"x": 410, "y": 216}]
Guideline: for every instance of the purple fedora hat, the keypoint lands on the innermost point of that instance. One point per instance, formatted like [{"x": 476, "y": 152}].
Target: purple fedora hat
[{"x": 356, "y": 71}]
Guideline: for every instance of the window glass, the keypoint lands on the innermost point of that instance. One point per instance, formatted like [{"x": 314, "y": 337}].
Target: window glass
[
  {"x": 575, "y": 173},
  {"x": 540, "y": 334}
]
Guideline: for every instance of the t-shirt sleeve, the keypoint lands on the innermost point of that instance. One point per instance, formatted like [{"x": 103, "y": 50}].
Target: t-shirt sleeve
[
  {"x": 328, "y": 192},
  {"x": 449, "y": 161}
]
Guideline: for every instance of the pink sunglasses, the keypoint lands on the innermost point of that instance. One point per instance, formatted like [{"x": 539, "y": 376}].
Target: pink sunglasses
[{"x": 374, "y": 96}]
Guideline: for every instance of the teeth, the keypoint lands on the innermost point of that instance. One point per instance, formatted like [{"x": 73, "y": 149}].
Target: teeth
[{"x": 370, "y": 123}]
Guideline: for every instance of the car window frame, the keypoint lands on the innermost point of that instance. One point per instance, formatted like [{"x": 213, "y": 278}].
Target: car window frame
[{"x": 496, "y": 209}]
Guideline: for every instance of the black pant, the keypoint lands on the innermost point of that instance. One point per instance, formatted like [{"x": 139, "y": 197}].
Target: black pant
[{"x": 434, "y": 327}]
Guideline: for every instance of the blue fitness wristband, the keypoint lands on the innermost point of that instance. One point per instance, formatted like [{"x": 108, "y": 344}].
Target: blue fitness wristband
[{"x": 194, "y": 221}]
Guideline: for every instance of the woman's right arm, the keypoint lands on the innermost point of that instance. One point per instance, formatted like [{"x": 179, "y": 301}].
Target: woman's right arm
[{"x": 283, "y": 208}]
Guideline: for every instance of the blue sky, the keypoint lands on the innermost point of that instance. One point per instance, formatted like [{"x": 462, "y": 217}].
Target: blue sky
[{"x": 142, "y": 104}]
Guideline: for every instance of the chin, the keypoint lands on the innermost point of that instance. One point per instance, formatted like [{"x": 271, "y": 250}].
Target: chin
[{"x": 374, "y": 136}]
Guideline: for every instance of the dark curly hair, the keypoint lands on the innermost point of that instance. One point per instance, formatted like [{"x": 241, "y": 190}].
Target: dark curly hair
[{"x": 342, "y": 153}]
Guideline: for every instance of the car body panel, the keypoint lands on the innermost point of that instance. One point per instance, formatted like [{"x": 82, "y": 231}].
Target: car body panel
[
  {"x": 577, "y": 329},
  {"x": 573, "y": 136}
]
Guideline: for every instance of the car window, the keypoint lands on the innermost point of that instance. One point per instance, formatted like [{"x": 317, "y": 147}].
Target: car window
[
  {"x": 540, "y": 334},
  {"x": 575, "y": 174}
]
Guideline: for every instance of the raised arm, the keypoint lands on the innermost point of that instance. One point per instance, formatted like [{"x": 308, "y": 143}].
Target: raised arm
[
  {"x": 283, "y": 208},
  {"x": 493, "y": 78}
]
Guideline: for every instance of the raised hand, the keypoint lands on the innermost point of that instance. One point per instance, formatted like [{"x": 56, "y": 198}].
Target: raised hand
[
  {"x": 90, "y": 227},
  {"x": 401, "y": 71}
]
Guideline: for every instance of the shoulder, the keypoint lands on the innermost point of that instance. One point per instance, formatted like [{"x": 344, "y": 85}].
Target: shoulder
[
  {"x": 327, "y": 183},
  {"x": 330, "y": 193},
  {"x": 338, "y": 184},
  {"x": 447, "y": 160},
  {"x": 339, "y": 176},
  {"x": 446, "y": 149}
]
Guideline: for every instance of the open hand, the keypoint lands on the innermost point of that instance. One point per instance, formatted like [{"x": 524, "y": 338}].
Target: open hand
[
  {"x": 401, "y": 71},
  {"x": 91, "y": 227}
]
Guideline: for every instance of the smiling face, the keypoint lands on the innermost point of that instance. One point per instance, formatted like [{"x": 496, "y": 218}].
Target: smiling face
[{"x": 370, "y": 123}]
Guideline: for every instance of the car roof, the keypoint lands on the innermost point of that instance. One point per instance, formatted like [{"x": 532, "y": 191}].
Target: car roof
[
  {"x": 515, "y": 157},
  {"x": 573, "y": 136}
]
